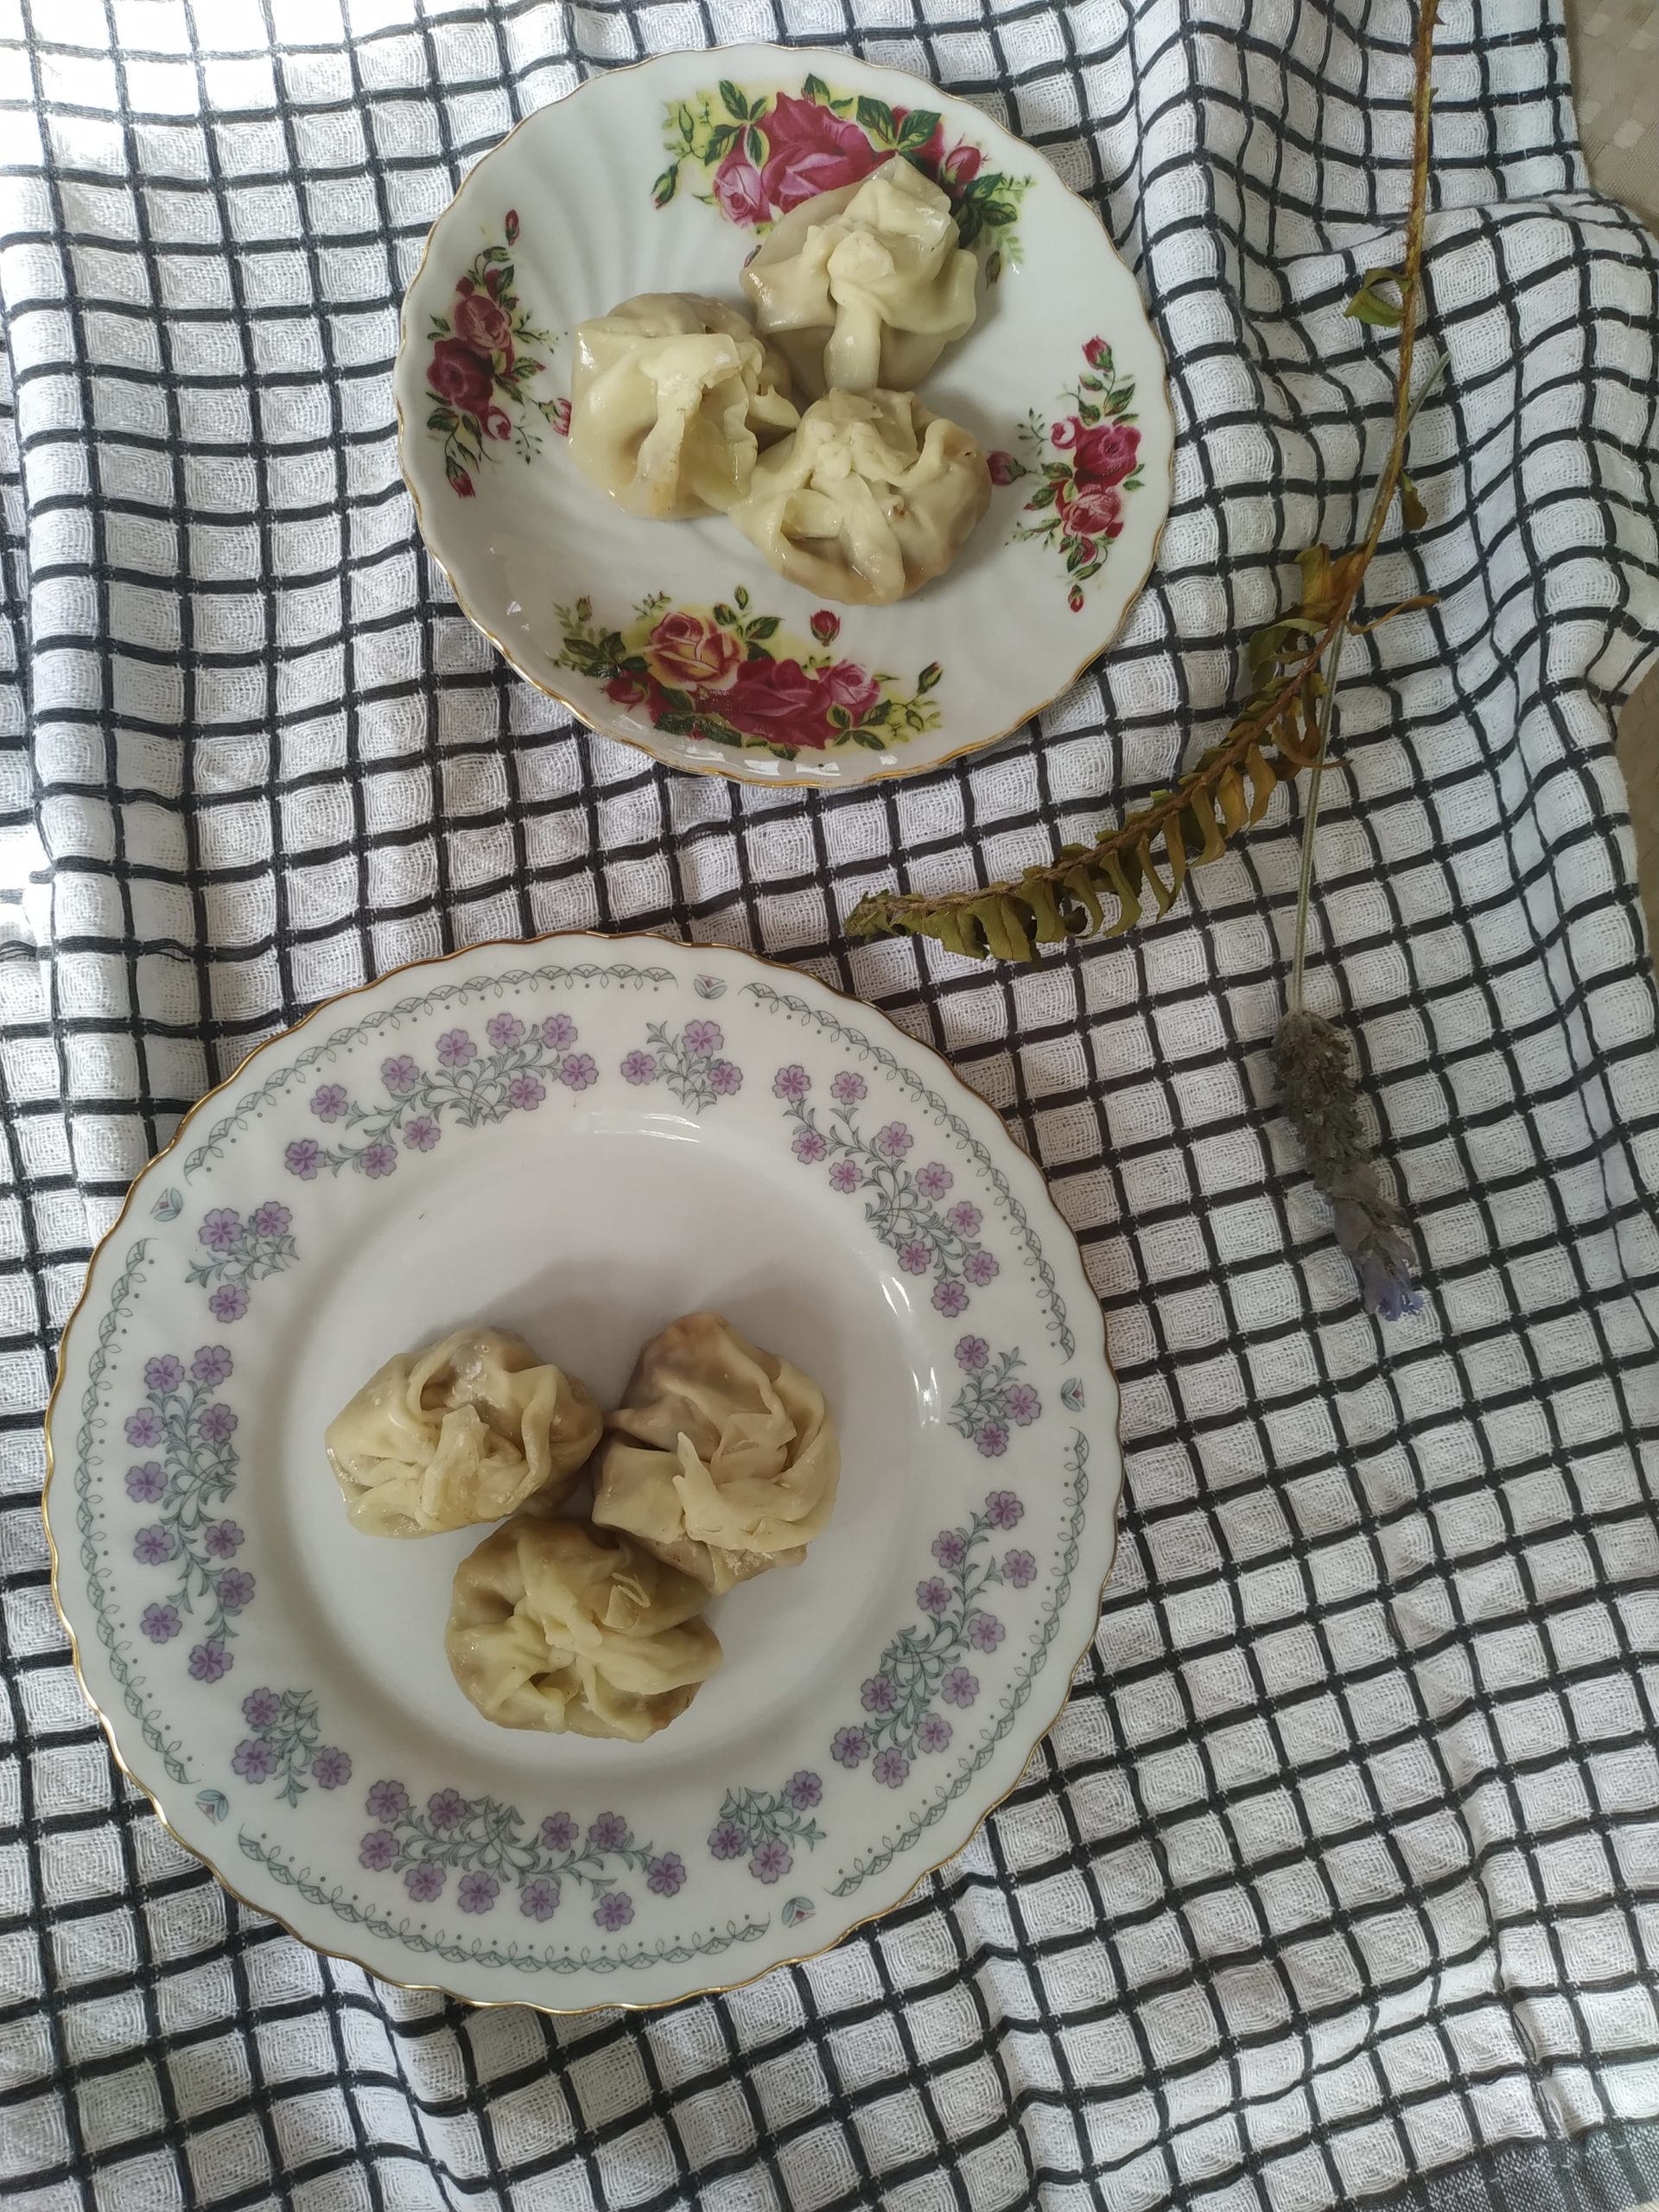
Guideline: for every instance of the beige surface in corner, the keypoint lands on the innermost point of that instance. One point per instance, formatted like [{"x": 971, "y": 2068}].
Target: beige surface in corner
[{"x": 1615, "y": 47}]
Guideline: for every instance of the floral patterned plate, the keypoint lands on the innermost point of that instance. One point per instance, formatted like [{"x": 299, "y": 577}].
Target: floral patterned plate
[
  {"x": 679, "y": 636},
  {"x": 582, "y": 1138}
]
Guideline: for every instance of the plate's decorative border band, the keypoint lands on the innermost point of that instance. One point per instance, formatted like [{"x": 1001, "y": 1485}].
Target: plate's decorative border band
[
  {"x": 831, "y": 1025},
  {"x": 589, "y": 971}
]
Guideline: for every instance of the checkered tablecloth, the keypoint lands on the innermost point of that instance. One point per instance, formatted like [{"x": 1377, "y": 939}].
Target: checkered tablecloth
[{"x": 1340, "y": 1878}]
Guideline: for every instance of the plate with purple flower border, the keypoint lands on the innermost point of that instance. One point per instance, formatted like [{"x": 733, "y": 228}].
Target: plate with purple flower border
[
  {"x": 580, "y": 1138},
  {"x": 679, "y": 636}
]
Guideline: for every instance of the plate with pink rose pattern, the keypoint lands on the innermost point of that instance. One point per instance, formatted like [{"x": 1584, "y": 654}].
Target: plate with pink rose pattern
[
  {"x": 679, "y": 636},
  {"x": 580, "y": 1138}
]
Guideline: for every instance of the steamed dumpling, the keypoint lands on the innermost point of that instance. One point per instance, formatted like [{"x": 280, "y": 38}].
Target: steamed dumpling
[
  {"x": 865, "y": 285},
  {"x": 468, "y": 1432},
  {"x": 722, "y": 1459},
  {"x": 555, "y": 1627},
  {"x": 869, "y": 500},
  {"x": 671, "y": 398}
]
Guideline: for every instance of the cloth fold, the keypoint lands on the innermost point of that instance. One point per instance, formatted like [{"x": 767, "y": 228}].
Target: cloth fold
[{"x": 1339, "y": 1878}]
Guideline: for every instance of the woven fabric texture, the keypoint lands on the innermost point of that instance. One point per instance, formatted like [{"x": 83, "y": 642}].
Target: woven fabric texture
[{"x": 1340, "y": 1876}]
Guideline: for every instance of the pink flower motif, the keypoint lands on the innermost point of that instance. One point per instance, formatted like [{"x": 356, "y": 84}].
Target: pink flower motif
[
  {"x": 959, "y": 1688},
  {"x": 424, "y": 1881},
  {"x": 992, "y": 1438},
  {"x": 1096, "y": 352},
  {"x": 579, "y": 1071},
  {"x": 152, "y": 1545},
  {"x": 665, "y": 1876},
  {"x": 950, "y": 1299},
  {"x": 1019, "y": 1569},
  {"x": 1074, "y": 599},
  {"x": 1102, "y": 452},
  {"x": 254, "y": 1762},
  {"x": 1003, "y": 466},
  {"x": 610, "y": 1832},
  {"x": 447, "y": 1808},
  {"x": 221, "y": 1230},
  {"x": 950, "y": 1548},
  {"x": 770, "y": 1859},
  {"x": 539, "y": 1897},
  {"x": 559, "y": 1832},
  {"x": 1021, "y": 1404},
  {"x": 878, "y": 1694},
  {"x": 981, "y": 1269},
  {"x": 272, "y": 1219},
  {"x": 562, "y": 418},
  {"x": 985, "y": 1631},
  {"x": 825, "y": 626},
  {"x": 891, "y": 1767},
  {"x": 399, "y": 1073},
  {"x": 211, "y": 1365},
  {"x": 844, "y": 1176},
  {"x": 803, "y": 1790},
  {"x": 725, "y": 1841},
  {"x": 261, "y": 1708},
  {"x": 478, "y": 1892},
  {"x": 145, "y": 1484},
  {"x": 457, "y": 373},
  {"x": 849, "y": 1746},
  {"x": 809, "y": 1146},
  {"x": 913, "y": 1258},
  {"x": 483, "y": 324},
  {"x": 893, "y": 1141},
  {"x": 143, "y": 1429},
  {"x": 386, "y": 1800},
  {"x": 724, "y": 1078},
  {"x": 960, "y": 166},
  {"x": 972, "y": 1353},
  {"x": 1096, "y": 512},
  {"x": 614, "y": 1910},
  {"x": 377, "y": 1850},
  {"x": 376, "y": 1160},
  {"x": 331, "y": 1767},
  {"x": 739, "y": 191},
  {"x": 933, "y": 1595},
  {"x": 526, "y": 1092},
  {"x": 229, "y": 1302},
  {"x": 456, "y": 1048},
  {"x": 812, "y": 150},
  {"x": 689, "y": 653},
  {"x": 217, "y": 1424},
  {"x": 303, "y": 1158},
  {"x": 421, "y": 1132},
  {"x": 847, "y": 1088},
  {"x": 933, "y": 1181},
  {"x": 1003, "y": 1509},
  {"x": 224, "y": 1539},
  {"x": 209, "y": 1662},
  {"x": 234, "y": 1589},
  {"x": 638, "y": 1067},
  {"x": 330, "y": 1101},
  {"x": 964, "y": 1218},
  {"x": 703, "y": 1037},
  {"x": 791, "y": 1083},
  {"x": 164, "y": 1374},
  {"x": 934, "y": 1732},
  {"x": 558, "y": 1033},
  {"x": 505, "y": 1031}
]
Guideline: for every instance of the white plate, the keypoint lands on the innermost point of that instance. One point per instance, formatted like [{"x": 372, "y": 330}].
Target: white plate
[
  {"x": 582, "y": 1138},
  {"x": 612, "y": 192}
]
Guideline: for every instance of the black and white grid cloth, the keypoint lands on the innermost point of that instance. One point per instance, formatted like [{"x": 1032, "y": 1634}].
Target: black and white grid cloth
[{"x": 1340, "y": 1878}]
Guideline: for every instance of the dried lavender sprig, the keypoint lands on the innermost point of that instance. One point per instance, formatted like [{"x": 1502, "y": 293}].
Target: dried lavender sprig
[{"x": 1314, "y": 1066}]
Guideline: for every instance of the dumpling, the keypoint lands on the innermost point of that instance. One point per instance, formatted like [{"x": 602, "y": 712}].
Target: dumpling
[
  {"x": 721, "y": 1459},
  {"x": 866, "y": 285},
  {"x": 469, "y": 1431},
  {"x": 672, "y": 397},
  {"x": 554, "y": 1627},
  {"x": 869, "y": 500}
]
